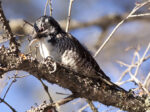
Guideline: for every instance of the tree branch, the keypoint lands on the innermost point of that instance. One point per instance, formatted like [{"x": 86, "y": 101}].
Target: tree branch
[
  {"x": 84, "y": 87},
  {"x": 2, "y": 100},
  {"x": 49, "y": 107},
  {"x": 7, "y": 29}
]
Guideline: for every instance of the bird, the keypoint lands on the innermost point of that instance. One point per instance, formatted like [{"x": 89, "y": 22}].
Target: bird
[{"x": 65, "y": 49}]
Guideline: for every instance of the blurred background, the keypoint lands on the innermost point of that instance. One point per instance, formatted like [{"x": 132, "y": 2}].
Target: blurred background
[{"x": 28, "y": 91}]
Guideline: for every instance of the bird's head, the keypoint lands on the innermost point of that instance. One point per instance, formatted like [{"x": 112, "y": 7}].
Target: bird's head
[{"x": 44, "y": 26}]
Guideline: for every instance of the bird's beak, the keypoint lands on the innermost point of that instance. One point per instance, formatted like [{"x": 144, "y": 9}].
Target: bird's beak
[{"x": 35, "y": 39}]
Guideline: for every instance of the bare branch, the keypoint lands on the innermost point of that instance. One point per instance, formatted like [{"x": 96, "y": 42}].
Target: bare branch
[
  {"x": 120, "y": 23},
  {"x": 69, "y": 15},
  {"x": 141, "y": 60},
  {"x": 84, "y": 107},
  {"x": 146, "y": 80},
  {"x": 133, "y": 65},
  {"x": 5, "y": 24},
  {"x": 49, "y": 107},
  {"x": 7, "y": 29},
  {"x": 46, "y": 90},
  {"x": 133, "y": 74},
  {"x": 22, "y": 27},
  {"x": 94, "y": 109},
  {"x": 46, "y": 7},
  {"x": 140, "y": 15},
  {"x": 50, "y": 7},
  {"x": 1, "y": 100},
  {"x": 85, "y": 87},
  {"x": 14, "y": 80}
]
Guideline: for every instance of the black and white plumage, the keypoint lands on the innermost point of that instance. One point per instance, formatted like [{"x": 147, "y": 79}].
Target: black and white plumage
[{"x": 65, "y": 49}]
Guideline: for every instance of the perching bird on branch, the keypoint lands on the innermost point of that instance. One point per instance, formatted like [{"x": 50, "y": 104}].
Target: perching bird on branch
[{"x": 65, "y": 49}]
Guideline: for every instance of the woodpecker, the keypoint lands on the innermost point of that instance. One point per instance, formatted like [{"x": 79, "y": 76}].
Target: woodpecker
[{"x": 65, "y": 49}]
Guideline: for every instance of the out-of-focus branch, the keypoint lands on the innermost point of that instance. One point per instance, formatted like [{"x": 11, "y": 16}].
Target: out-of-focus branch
[
  {"x": 23, "y": 27},
  {"x": 101, "y": 38}
]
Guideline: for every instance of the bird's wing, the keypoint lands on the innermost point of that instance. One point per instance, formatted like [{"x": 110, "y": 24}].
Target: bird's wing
[{"x": 85, "y": 54}]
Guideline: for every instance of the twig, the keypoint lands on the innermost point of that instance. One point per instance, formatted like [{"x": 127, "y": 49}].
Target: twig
[
  {"x": 123, "y": 82},
  {"x": 131, "y": 66},
  {"x": 118, "y": 25},
  {"x": 46, "y": 90},
  {"x": 7, "y": 29},
  {"x": 62, "y": 93},
  {"x": 1, "y": 100},
  {"x": 148, "y": 57},
  {"x": 138, "y": 82},
  {"x": 93, "y": 108},
  {"x": 50, "y": 7},
  {"x": 133, "y": 59},
  {"x": 137, "y": 66},
  {"x": 140, "y": 15},
  {"x": 5, "y": 24},
  {"x": 65, "y": 100},
  {"x": 102, "y": 35},
  {"x": 122, "y": 63},
  {"x": 48, "y": 107},
  {"x": 77, "y": 101},
  {"x": 141, "y": 60},
  {"x": 125, "y": 72},
  {"x": 69, "y": 15},
  {"x": 20, "y": 76},
  {"x": 84, "y": 107},
  {"x": 45, "y": 7},
  {"x": 26, "y": 22},
  {"x": 146, "y": 80},
  {"x": 14, "y": 80}
]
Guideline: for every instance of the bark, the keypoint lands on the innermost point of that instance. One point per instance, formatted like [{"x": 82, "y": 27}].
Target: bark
[{"x": 83, "y": 87}]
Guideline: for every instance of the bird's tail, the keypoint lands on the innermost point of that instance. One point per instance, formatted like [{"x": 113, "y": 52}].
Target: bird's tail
[
  {"x": 113, "y": 84},
  {"x": 103, "y": 77}
]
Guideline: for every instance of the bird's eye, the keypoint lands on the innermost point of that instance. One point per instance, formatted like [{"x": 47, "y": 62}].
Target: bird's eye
[{"x": 42, "y": 29}]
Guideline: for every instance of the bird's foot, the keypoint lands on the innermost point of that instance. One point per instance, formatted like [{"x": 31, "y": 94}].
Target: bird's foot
[{"x": 52, "y": 65}]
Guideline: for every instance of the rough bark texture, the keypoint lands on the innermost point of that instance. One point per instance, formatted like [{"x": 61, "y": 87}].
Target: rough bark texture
[{"x": 82, "y": 86}]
